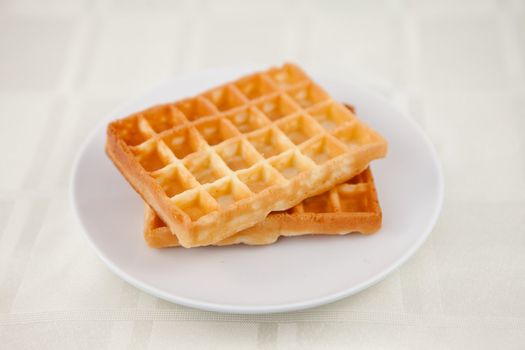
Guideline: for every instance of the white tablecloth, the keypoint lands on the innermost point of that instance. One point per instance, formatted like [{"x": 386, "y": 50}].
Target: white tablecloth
[{"x": 457, "y": 66}]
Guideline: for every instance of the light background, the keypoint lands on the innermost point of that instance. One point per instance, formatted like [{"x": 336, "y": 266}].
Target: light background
[{"x": 457, "y": 66}]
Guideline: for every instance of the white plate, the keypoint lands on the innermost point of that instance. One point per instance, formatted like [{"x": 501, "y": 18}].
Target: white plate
[{"x": 295, "y": 273}]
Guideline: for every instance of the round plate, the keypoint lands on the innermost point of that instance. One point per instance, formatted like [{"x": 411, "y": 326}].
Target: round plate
[{"x": 292, "y": 274}]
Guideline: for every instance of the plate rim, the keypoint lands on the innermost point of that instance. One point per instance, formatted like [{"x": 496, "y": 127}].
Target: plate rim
[{"x": 254, "y": 309}]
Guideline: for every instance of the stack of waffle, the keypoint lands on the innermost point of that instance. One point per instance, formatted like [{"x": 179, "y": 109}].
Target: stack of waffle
[{"x": 268, "y": 155}]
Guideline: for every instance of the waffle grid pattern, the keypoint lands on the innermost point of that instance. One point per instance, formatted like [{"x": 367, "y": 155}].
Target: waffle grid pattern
[
  {"x": 355, "y": 196},
  {"x": 232, "y": 142},
  {"x": 349, "y": 207}
]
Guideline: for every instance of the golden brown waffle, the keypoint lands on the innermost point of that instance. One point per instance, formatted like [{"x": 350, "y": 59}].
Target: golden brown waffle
[
  {"x": 218, "y": 163},
  {"x": 350, "y": 207}
]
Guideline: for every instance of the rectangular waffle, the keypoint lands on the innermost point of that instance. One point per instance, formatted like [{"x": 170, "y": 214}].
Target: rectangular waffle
[
  {"x": 218, "y": 163},
  {"x": 350, "y": 207}
]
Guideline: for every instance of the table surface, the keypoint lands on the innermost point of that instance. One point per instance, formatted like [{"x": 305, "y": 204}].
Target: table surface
[{"x": 457, "y": 67}]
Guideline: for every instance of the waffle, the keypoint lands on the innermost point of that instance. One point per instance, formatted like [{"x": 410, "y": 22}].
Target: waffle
[
  {"x": 350, "y": 207},
  {"x": 218, "y": 163}
]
